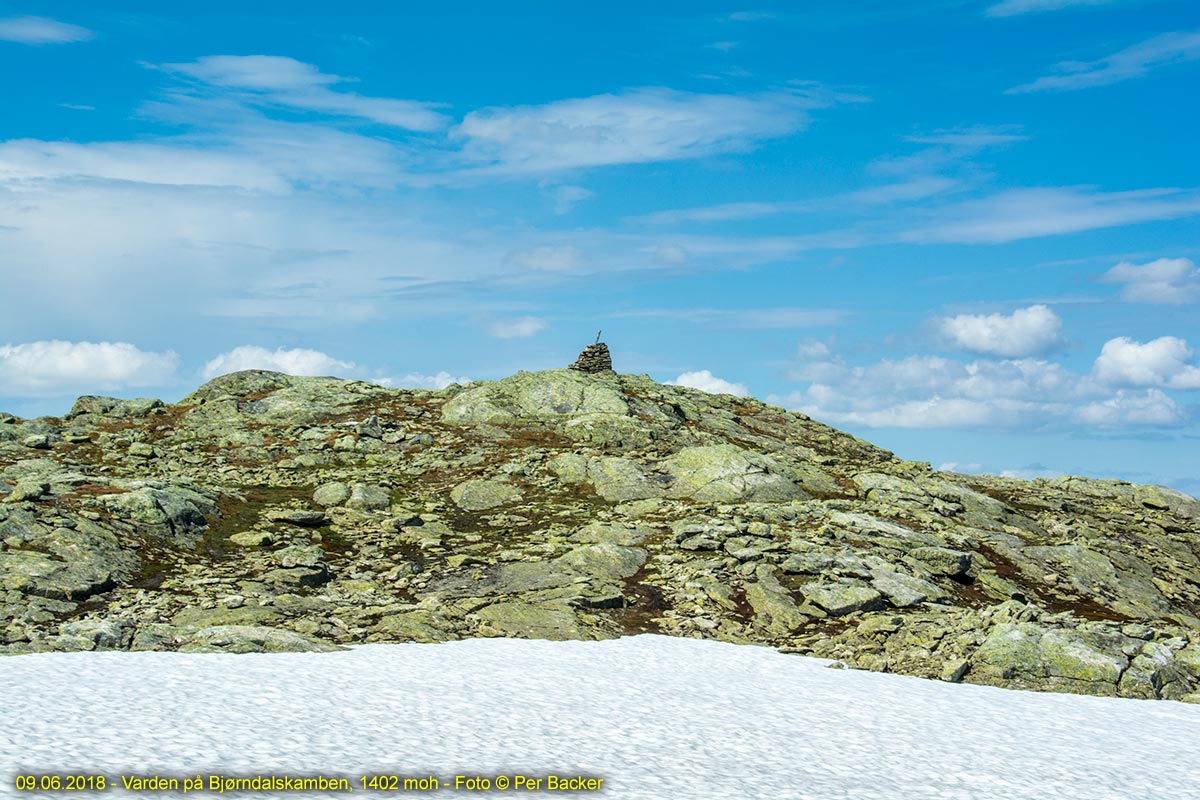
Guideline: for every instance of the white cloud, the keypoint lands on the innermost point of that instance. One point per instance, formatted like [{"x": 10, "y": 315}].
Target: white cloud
[
  {"x": 282, "y": 81},
  {"x": 970, "y": 139},
  {"x": 1025, "y": 332},
  {"x": 637, "y": 126},
  {"x": 1026, "y": 213},
  {"x": 1152, "y": 407},
  {"x": 705, "y": 381},
  {"x": 669, "y": 254},
  {"x": 1132, "y": 62},
  {"x": 954, "y": 466},
  {"x": 724, "y": 212},
  {"x": 548, "y": 259},
  {"x": 567, "y": 197},
  {"x": 934, "y": 392},
  {"x": 40, "y": 30},
  {"x": 1012, "y": 8},
  {"x": 139, "y": 162},
  {"x": 745, "y": 318},
  {"x": 1031, "y": 473},
  {"x": 812, "y": 351},
  {"x": 1172, "y": 281},
  {"x": 416, "y": 380},
  {"x": 750, "y": 16},
  {"x": 1160, "y": 362},
  {"x": 49, "y": 368},
  {"x": 521, "y": 328},
  {"x": 293, "y": 362}
]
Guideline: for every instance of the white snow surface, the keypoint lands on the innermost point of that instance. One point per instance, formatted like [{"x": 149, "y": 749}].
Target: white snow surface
[{"x": 655, "y": 717}]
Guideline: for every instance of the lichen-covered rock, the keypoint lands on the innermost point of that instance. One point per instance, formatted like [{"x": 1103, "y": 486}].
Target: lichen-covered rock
[
  {"x": 530, "y": 396},
  {"x": 67, "y": 563},
  {"x": 176, "y": 513},
  {"x": 251, "y": 639},
  {"x": 728, "y": 474},
  {"x": 368, "y": 497},
  {"x": 113, "y": 407},
  {"x": 619, "y": 480},
  {"x": 528, "y": 621},
  {"x": 775, "y": 611},
  {"x": 839, "y": 599},
  {"x": 1027, "y": 654},
  {"x": 331, "y": 494},
  {"x": 567, "y": 505},
  {"x": 477, "y": 495},
  {"x": 606, "y": 559}
]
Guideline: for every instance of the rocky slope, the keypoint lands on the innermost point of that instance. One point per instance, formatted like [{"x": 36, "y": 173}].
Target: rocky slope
[{"x": 268, "y": 512}]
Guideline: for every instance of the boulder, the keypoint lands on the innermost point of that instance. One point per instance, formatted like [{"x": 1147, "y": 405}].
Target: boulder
[
  {"x": 728, "y": 474},
  {"x": 331, "y": 494},
  {"x": 608, "y": 560},
  {"x": 528, "y": 621},
  {"x": 480, "y": 495},
  {"x": 1030, "y": 655},
  {"x": 839, "y": 599},
  {"x": 534, "y": 396},
  {"x": 251, "y": 639}
]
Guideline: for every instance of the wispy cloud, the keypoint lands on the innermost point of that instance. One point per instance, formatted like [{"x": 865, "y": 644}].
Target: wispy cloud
[
  {"x": 750, "y": 16},
  {"x": 1132, "y": 62},
  {"x": 521, "y": 328},
  {"x": 1170, "y": 281},
  {"x": 1012, "y": 8},
  {"x": 567, "y": 197},
  {"x": 41, "y": 30},
  {"x": 282, "y": 81},
  {"x": 724, "y": 212},
  {"x": 548, "y": 259},
  {"x": 780, "y": 318},
  {"x": 1027, "y": 213},
  {"x": 52, "y": 368},
  {"x": 637, "y": 126}
]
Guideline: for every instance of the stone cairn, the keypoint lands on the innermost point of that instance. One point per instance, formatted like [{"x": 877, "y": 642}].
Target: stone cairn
[{"x": 594, "y": 358}]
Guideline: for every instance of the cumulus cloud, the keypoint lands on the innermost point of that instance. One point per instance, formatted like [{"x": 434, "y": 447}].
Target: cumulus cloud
[
  {"x": 1132, "y": 62},
  {"x": 1159, "y": 362},
  {"x": 416, "y": 380},
  {"x": 705, "y": 381},
  {"x": 1171, "y": 281},
  {"x": 297, "y": 361},
  {"x": 1012, "y": 8},
  {"x": 1151, "y": 407},
  {"x": 49, "y": 368},
  {"x": 934, "y": 392},
  {"x": 521, "y": 328},
  {"x": 1025, "y": 332},
  {"x": 955, "y": 466},
  {"x": 637, "y": 126},
  {"x": 282, "y": 81},
  {"x": 40, "y": 30}
]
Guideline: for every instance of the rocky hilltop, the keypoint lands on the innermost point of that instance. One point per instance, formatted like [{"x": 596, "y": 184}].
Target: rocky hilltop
[{"x": 268, "y": 512}]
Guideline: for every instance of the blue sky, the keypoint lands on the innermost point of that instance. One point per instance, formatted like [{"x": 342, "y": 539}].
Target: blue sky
[{"x": 966, "y": 231}]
